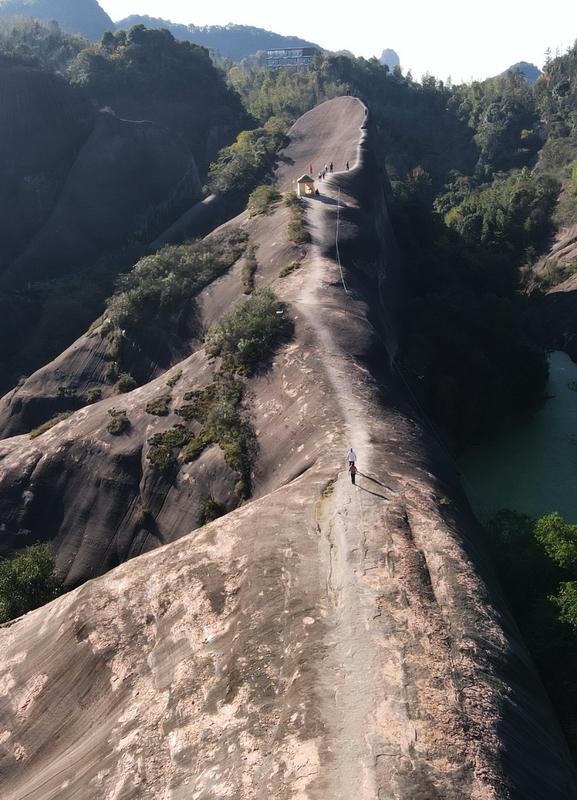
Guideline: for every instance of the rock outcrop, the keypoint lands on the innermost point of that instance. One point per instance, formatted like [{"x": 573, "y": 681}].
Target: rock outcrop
[{"x": 322, "y": 640}]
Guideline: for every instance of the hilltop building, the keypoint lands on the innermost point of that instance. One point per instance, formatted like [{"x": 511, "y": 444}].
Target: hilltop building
[{"x": 290, "y": 57}]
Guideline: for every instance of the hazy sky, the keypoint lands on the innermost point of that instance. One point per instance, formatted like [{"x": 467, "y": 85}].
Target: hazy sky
[{"x": 463, "y": 40}]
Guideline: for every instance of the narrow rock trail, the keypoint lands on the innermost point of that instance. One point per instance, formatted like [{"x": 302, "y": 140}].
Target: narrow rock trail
[{"x": 350, "y": 668}]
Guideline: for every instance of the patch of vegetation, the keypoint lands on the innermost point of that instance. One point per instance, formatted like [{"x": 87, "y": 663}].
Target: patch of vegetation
[
  {"x": 162, "y": 445},
  {"x": 173, "y": 380},
  {"x": 248, "y": 334},
  {"x": 115, "y": 350},
  {"x": 145, "y": 518},
  {"x": 261, "y": 199},
  {"x": 106, "y": 329},
  {"x": 177, "y": 436},
  {"x": 28, "y": 581},
  {"x": 218, "y": 409},
  {"x": 297, "y": 232},
  {"x": 288, "y": 269},
  {"x": 111, "y": 370},
  {"x": 119, "y": 422},
  {"x": 50, "y": 424},
  {"x": 94, "y": 395},
  {"x": 537, "y": 562},
  {"x": 159, "y": 405},
  {"x": 124, "y": 384},
  {"x": 211, "y": 510},
  {"x": 249, "y": 269},
  {"x": 66, "y": 391},
  {"x": 175, "y": 273},
  {"x": 37, "y": 44},
  {"x": 241, "y": 166}
]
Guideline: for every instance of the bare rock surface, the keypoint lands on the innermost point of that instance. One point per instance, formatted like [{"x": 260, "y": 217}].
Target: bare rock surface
[{"x": 323, "y": 640}]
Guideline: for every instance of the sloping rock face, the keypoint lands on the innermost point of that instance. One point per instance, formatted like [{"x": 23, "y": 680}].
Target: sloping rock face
[
  {"x": 559, "y": 303},
  {"x": 322, "y": 641},
  {"x": 43, "y": 124},
  {"x": 85, "y": 17},
  {"x": 125, "y": 178}
]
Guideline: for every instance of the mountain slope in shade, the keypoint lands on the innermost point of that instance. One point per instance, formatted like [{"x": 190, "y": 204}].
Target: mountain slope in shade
[
  {"x": 85, "y": 17},
  {"x": 322, "y": 640}
]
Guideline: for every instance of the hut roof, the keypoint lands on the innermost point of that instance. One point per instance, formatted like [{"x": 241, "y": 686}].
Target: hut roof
[{"x": 305, "y": 179}]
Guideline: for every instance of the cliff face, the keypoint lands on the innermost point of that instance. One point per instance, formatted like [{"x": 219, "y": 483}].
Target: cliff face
[
  {"x": 43, "y": 124},
  {"x": 323, "y": 639},
  {"x": 124, "y": 180}
]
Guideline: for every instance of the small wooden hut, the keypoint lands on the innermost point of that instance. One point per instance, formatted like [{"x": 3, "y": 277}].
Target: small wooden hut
[{"x": 306, "y": 186}]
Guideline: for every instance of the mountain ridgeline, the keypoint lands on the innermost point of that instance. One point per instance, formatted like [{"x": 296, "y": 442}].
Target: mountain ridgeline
[{"x": 199, "y": 347}]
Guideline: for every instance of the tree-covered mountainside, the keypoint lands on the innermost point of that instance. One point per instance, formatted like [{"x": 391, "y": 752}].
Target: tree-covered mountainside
[
  {"x": 226, "y": 41},
  {"x": 100, "y": 153},
  {"x": 84, "y": 17}
]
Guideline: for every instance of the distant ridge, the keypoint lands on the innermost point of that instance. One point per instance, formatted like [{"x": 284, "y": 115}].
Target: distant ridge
[
  {"x": 235, "y": 41},
  {"x": 76, "y": 16},
  {"x": 529, "y": 71}
]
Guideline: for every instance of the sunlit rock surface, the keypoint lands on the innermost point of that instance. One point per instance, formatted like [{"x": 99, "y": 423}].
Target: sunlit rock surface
[{"x": 322, "y": 640}]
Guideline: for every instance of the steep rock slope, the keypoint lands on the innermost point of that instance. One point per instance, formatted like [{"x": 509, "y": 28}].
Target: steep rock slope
[
  {"x": 43, "y": 124},
  {"x": 324, "y": 640},
  {"x": 124, "y": 180}
]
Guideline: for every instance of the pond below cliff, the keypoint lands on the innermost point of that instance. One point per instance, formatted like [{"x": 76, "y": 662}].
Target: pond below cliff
[{"x": 533, "y": 468}]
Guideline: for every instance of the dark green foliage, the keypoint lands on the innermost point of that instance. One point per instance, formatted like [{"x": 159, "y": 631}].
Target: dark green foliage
[
  {"x": 94, "y": 395},
  {"x": 248, "y": 334},
  {"x": 297, "y": 232},
  {"x": 28, "y": 581},
  {"x": 124, "y": 384},
  {"x": 162, "y": 445},
  {"x": 65, "y": 391},
  {"x": 537, "y": 562},
  {"x": 159, "y": 405},
  {"x": 510, "y": 216},
  {"x": 119, "y": 422},
  {"x": 480, "y": 361},
  {"x": 115, "y": 350},
  {"x": 211, "y": 510},
  {"x": 177, "y": 436},
  {"x": 502, "y": 112},
  {"x": 248, "y": 271},
  {"x": 149, "y": 60},
  {"x": 242, "y": 165},
  {"x": 218, "y": 409},
  {"x": 145, "y": 518},
  {"x": 261, "y": 199},
  {"x": 173, "y": 274},
  {"x": 50, "y": 424},
  {"x": 36, "y": 44},
  {"x": 288, "y": 269},
  {"x": 173, "y": 380}
]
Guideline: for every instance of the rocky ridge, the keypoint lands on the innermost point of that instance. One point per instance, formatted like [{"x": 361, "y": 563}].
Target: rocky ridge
[{"x": 323, "y": 639}]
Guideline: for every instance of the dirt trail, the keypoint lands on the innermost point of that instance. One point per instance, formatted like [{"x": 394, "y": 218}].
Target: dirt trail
[{"x": 350, "y": 668}]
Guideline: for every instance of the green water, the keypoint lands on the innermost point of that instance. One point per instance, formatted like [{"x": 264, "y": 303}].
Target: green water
[{"x": 533, "y": 468}]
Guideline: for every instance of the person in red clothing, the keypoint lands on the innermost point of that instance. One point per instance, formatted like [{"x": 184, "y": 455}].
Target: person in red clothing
[{"x": 352, "y": 472}]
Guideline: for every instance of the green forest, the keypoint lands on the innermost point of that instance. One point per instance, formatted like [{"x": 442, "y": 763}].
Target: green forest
[{"x": 481, "y": 176}]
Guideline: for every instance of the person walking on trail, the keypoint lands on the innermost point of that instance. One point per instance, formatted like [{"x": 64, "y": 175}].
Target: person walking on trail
[
  {"x": 351, "y": 456},
  {"x": 352, "y": 472}
]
